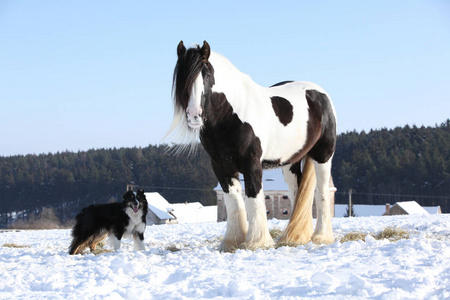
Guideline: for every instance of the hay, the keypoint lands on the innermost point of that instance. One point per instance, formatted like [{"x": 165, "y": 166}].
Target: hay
[{"x": 12, "y": 245}]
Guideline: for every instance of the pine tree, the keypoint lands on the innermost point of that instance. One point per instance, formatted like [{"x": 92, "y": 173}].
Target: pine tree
[{"x": 347, "y": 213}]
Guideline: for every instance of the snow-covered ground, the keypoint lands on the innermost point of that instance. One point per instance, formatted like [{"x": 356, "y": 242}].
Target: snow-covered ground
[{"x": 414, "y": 268}]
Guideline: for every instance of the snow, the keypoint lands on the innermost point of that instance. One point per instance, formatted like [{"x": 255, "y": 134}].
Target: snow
[
  {"x": 363, "y": 210},
  {"x": 159, "y": 205},
  {"x": 414, "y": 268},
  {"x": 412, "y": 208},
  {"x": 194, "y": 212}
]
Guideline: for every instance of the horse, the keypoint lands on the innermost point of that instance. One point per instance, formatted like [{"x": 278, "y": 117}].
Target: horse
[{"x": 246, "y": 128}]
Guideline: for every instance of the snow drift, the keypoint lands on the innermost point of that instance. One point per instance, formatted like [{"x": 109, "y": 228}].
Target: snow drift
[{"x": 182, "y": 262}]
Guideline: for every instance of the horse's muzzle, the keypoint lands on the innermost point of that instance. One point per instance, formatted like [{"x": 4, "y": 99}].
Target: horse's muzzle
[{"x": 194, "y": 118}]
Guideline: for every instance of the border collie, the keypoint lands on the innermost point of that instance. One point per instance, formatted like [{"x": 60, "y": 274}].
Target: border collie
[{"x": 96, "y": 222}]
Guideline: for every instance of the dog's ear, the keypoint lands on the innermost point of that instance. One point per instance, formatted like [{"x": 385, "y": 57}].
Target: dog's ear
[
  {"x": 140, "y": 191},
  {"x": 128, "y": 194}
]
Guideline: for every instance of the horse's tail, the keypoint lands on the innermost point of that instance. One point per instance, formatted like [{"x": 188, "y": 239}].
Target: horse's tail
[{"x": 300, "y": 227}]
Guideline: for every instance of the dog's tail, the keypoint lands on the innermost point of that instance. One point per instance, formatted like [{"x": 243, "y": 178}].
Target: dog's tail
[
  {"x": 300, "y": 227},
  {"x": 75, "y": 246}
]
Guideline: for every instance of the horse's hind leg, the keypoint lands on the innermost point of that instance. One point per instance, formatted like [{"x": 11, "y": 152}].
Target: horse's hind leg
[
  {"x": 236, "y": 217},
  {"x": 323, "y": 233},
  {"x": 301, "y": 187}
]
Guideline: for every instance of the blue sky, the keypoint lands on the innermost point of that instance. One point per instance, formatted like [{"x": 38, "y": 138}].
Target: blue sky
[{"x": 78, "y": 75}]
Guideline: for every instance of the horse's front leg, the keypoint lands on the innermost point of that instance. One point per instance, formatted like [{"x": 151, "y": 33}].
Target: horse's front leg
[
  {"x": 235, "y": 207},
  {"x": 236, "y": 217},
  {"x": 258, "y": 235}
]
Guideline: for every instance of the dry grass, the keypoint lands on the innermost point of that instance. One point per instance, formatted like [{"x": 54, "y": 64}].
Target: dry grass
[
  {"x": 99, "y": 251},
  {"x": 390, "y": 233},
  {"x": 353, "y": 236},
  {"x": 276, "y": 233},
  {"x": 286, "y": 244},
  {"x": 173, "y": 248},
  {"x": 12, "y": 245}
]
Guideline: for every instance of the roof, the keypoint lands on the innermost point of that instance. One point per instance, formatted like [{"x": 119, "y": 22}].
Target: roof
[
  {"x": 361, "y": 210},
  {"x": 412, "y": 208},
  {"x": 433, "y": 210},
  {"x": 194, "y": 212},
  {"x": 159, "y": 206},
  {"x": 273, "y": 180}
]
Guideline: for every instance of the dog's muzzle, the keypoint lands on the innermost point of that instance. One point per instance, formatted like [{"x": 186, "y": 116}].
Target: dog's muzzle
[{"x": 135, "y": 206}]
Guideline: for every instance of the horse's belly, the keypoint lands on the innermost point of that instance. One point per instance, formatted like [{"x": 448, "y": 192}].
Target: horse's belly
[{"x": 285, "y": 143}]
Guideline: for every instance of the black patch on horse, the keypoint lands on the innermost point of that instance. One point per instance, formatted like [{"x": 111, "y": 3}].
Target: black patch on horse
[
  {"x": 271, "y": 164},
  {"x": 321, "y": 111},
  {"x": 283, "y": 109},
  {"x": 321, "y": 129},
  {"x": 232, "y": 145},
  {"x": 281, "y": 83}
]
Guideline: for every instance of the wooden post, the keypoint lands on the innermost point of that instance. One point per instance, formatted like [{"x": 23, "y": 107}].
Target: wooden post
[{"x": 350, "y": 191}]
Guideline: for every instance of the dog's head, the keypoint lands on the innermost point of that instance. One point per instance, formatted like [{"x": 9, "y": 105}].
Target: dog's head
[
  {"x": 140, "y": 197},
  {"x": 135, "y": 202}
]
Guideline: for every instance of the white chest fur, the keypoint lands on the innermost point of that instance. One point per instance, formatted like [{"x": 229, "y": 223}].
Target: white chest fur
[{"x": 135, "y": 223}]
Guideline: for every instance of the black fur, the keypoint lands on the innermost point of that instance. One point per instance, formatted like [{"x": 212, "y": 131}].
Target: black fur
[
  {"x": 231, "y": 144},
  {"x": 320, "y": 109},
  {"x": 281, "y": 83},
  {"x": 189, "y": 64},
  {"x": 94, "y": 223},
  {"x": 283, "y": 109}
]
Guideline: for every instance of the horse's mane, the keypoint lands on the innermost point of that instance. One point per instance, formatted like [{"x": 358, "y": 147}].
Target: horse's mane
[{"x": 186, "y": 71}]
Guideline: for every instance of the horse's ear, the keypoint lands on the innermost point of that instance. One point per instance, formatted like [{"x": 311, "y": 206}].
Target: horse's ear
[
  {"x": 205, "y": 51},
  {"x": 181, "y": 49}
]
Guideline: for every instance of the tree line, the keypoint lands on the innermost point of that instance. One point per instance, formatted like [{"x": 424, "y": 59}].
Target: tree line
[
  {"x": 381, "y": 166},
  {"x": 69, "y": 181},
  {"x": 393, "y": 165}
]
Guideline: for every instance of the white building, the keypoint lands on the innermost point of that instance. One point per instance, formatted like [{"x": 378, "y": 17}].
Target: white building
[
  {"x": 278, "y": 204},
  {"x": 160, "y": 211}
]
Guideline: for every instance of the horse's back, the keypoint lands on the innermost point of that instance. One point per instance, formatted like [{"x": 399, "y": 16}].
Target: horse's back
[{"x": 296, "y": 87}]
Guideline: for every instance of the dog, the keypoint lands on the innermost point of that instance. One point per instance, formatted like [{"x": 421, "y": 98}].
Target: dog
[{"x": 96, "y": 222}]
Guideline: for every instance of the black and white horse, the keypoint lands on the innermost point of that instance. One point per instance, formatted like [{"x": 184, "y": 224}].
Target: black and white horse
[{"x": 246, "y": 128}]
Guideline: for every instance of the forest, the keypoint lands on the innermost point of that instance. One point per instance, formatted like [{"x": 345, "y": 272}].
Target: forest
[
  {"x": 389, "y": 166},
  {"x": 381, "y": 166}
]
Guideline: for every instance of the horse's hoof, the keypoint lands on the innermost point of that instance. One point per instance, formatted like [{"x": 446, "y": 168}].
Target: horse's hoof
[
  {"x": 229, "y": 247},
  {"x": 300, "y": 240},
  {"x": 261, "y": 245},
  {"x": 322, "y": 239}
]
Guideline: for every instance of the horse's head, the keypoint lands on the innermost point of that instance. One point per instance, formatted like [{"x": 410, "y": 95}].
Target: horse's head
[{"x": 193, "y": 79}]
